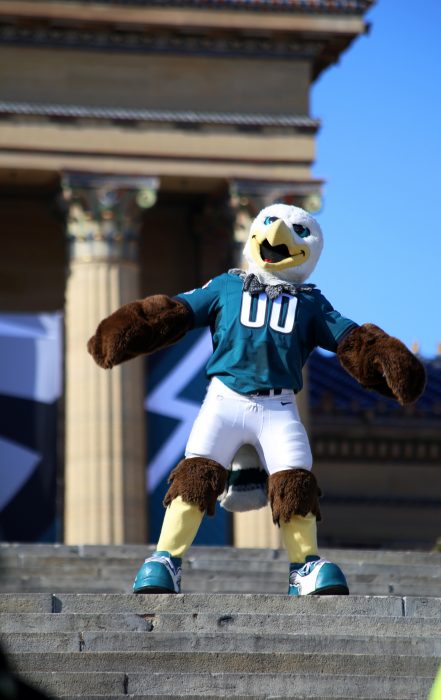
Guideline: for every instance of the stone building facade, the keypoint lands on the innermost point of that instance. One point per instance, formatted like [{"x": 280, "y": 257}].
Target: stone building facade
[
  {"x": 137, "y": 140},
  {"x": 378, "y": 463}
]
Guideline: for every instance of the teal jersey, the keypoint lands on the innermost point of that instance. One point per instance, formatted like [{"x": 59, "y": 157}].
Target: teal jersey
[{"x": 259, "y": 343}]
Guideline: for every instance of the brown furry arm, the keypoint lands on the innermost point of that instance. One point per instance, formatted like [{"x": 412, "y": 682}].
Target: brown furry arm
[
  {"x": 138, "y": 328},
  {"x": 383, "y": 363}
]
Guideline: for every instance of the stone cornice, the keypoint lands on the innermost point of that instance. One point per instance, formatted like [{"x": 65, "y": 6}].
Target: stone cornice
[
  {"x": 180, "y": 118},
  {"x": 314, "y": 30},
  {"x": 330, "y": 7},
  {"x": 141, "y": 42}
]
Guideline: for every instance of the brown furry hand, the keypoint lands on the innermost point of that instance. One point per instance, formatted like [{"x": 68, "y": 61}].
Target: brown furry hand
[
  {"x": 382, "y": 363},
  {"x": 115, "y": 334},
  {"x": 137, "y": 328}
]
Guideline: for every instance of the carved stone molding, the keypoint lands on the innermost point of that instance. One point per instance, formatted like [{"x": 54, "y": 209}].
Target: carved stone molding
[
  {"x": 103, "y": 216},
  {"x": 181, "y": 118},
  {"x": 353, "y": 7},
  {"x": 378, "y": 449},
  {"x": 118, "y": 40}
]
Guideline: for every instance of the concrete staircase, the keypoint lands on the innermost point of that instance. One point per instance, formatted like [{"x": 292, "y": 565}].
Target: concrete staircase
[{"x": 71, "y": 626}]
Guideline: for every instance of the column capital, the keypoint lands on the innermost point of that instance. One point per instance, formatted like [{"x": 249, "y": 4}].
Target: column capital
[{"x": 104, "y": 214}]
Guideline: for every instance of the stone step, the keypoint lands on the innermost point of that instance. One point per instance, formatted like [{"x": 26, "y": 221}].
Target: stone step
[
  {"x": 168, "y": 697},
  {"x": 173, "y": 697},
  {"x": 55, "y": 568},
  {"x": 50, "y": 622},
  {"x": 235, "y": 623},
  {"x": 225, "y": 642},
  {"x": 244, "y": 638},
  {"x": 230, "y": 603},
  {"x": 213, "y": 583},
  {"x": 139, "y": 552},
  {"x": 227, "y": 662},
  {"x": 253, "y": 559},
  {"x": 224, "y": 604},
  {"x": 126, "y": 568},
  {"x": 213, "y": 697},
  {"x": 78, "y": 565},
  {"x": 301, "y": 686},
  {"x": 206, "y": 583}
]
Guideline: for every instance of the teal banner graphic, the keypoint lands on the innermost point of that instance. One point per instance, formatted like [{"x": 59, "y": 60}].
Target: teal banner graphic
[{"x": 30, "y": 389}]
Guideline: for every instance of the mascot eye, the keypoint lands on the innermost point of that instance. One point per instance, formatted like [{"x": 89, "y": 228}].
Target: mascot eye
[
  {"x": 269, "y": 220},
  {"x": 301, "y": 231}
]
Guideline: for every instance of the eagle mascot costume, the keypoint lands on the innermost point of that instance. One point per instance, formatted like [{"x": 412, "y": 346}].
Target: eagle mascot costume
[{"x": 264, "y": 324}]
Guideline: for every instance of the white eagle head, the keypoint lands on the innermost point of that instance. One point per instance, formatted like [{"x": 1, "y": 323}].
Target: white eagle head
[{"x": 284, "y": 243}]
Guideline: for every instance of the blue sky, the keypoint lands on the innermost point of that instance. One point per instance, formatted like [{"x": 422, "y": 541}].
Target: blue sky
[{"x": 379, "y": 150}]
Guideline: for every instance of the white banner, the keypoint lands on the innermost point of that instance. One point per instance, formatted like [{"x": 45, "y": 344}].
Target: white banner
[{"x": 30, "y": 356}]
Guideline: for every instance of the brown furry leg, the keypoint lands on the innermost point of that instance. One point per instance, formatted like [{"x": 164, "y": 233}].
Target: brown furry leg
[
  {"x": 293, "y": 492},
  {"x": 197, "y": 480}
]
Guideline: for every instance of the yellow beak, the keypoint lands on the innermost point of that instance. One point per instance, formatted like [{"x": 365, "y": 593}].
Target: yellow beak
[{"x": 276, "y": 234}]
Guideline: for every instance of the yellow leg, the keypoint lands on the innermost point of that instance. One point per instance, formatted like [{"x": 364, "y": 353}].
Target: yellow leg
[
  {"x": 300, "y": 537},
  {"x": 181, "y": 523}
]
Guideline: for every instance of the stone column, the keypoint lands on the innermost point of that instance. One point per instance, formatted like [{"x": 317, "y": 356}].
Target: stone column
[
  {"x": 105, "y": 494},
  {"x": 256, "y": 528}
]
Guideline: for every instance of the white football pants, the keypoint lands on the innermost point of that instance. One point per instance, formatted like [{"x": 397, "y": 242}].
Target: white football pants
[{"x": 227, "y": 420}]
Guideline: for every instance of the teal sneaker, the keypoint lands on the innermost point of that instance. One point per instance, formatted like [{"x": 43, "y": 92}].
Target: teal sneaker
[
  {"x": 316, "y": 577},
  {"x": 160, "y": 573}
]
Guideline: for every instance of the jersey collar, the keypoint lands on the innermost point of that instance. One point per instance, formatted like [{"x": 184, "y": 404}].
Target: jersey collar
[{"x": 253, "y": 285}]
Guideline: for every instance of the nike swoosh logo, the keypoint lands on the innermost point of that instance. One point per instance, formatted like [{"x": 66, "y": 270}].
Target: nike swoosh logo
[{"x": 285, "y": 403}]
